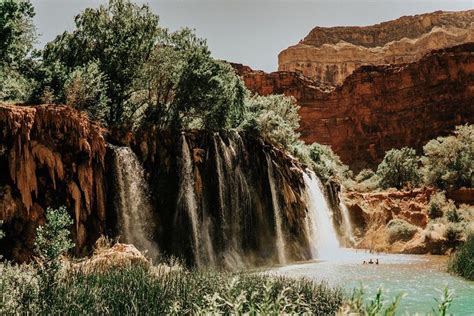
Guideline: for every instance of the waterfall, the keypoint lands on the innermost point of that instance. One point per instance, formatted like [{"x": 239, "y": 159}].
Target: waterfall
[
  {"x": 133, "y": 206},
  {"x": 346, "y": 221},
  {"x": 234, "y": 197},
  {"x": 280, "y": 242},
  {"x": 323, "y": 238},
  {"x": 187, "y": 198}
]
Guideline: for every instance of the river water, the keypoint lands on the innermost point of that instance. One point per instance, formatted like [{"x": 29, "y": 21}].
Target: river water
[{"x": 421, "y": 278}]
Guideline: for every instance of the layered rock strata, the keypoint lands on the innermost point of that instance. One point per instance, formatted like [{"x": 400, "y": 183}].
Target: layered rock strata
[{"x": 331, "y": 54}]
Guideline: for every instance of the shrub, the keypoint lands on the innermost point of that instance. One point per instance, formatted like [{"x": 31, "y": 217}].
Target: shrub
[
  {"x": 275, "y": 117},
  {"x": 453, "y": 234},
  {"x": 399, "y": 229},
  {"x": 52, "y": 239},
  {"x": 327, "y": 164},
  {"x": 453, "y": 216},
  {"x": 435, "y": 206},
  {"x": 449, "y": 161},
  {"x": 462, "y": 263},
  {"x": 399, "y": 167},
  {"x": 364, "y": 174}
]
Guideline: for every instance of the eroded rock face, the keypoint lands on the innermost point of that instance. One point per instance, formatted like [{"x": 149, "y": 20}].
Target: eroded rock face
[
  {"x": 372, "y": 212},
  {"x": 50, "y": 156},
  {"x": 381, "y": 107},
  {"x": 331, "y": 54}
]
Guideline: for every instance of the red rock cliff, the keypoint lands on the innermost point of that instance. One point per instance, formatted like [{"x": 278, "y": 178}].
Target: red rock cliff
[
  {"x": 381, "y": 107},
  {"x": 330, "y": 54},
  {"x": 49, "y": 156}
]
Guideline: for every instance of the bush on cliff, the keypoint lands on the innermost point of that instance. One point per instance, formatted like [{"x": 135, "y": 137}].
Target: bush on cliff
[
  {"x": 462, "y": 263},
  {"x": 399, "y": 229},
  {"x": 448, "y": 162},
  {"x": 398, "y": 168}
]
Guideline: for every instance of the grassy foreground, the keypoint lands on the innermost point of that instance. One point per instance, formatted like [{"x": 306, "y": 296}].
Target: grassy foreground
[{"x": 135, "y": 290}]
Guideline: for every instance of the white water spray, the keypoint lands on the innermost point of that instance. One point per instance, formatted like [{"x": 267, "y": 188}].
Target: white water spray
[
  {"x": 280, "y": 242},
  {"x": 323, "y": 238},
  {"x": 133, "y": 206}
]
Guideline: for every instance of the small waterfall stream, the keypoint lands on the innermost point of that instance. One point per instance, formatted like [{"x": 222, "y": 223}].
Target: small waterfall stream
[
  {"x": 187, "y": 198},
  {"x": 280, "y": 241},
  {"x": 322, "y": 235},
  {"x": 133, "y": 206},
  {"x": 346, "y": 221}
]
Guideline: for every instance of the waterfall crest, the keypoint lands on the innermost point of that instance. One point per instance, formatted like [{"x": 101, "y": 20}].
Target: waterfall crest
[
  {"x": 280, "y": 241},
  {"x": 133, "y": 206},
  {"x": 322, "y": 235}
]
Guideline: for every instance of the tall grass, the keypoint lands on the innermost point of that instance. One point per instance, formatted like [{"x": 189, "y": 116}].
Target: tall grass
[
  {"x": 135, "y": 290},
  {"x": 462, "y": 263}
]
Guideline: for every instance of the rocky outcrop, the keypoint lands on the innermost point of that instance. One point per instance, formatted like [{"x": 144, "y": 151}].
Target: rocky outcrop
[
  {"x": 332, "y": 54},
  {"x": 381, "y": 107},
  {"x": 371, "y": 214},
  {"x": 49, "y": 156}
]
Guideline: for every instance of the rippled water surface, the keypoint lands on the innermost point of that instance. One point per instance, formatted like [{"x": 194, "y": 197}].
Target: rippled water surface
[{"x": 421, "y": 278}]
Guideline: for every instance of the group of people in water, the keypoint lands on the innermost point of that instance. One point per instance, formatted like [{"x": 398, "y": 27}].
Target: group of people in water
[{"x": 371, "y": 261}]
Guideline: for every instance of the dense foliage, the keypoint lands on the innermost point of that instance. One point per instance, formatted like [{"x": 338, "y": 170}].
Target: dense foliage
[
  {"x": 448, "y": 162},
  {"x": 463, "y": 261},
  {"x": 17, "y": 35},
  {"x": 398, "y": 168}
]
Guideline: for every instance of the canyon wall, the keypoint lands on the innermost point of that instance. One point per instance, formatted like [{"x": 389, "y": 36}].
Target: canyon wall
[
  {"x": 378, "y": 108},
  {"x": 330, "y": 54}
]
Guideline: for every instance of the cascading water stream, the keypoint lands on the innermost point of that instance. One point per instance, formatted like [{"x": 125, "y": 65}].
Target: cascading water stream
[
  {"x": 346, "y": 221},
  {"x": 322, "y": 235},
  {"x": 280, "y": 241},
  {"x": 133, "y": 206},
  {"x": 187, "y": 198}
]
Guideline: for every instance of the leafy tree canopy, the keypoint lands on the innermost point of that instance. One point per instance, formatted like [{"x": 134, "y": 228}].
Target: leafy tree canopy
[
  {"x": 399, "y": 167},
  {"x": 449, "y": 161}
]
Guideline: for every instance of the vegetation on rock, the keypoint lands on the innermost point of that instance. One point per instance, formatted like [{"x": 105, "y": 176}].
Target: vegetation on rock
[{"x": 462, "y": 263}]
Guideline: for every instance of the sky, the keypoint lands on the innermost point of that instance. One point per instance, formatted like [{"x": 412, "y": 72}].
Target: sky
[{"x": 251, "y": 32}]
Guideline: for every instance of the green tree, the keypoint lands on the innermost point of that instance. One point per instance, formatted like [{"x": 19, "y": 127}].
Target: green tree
[
  {"x": 209, "y": 94},
  {"x": 86, "y": 89},
  {"x": 399, "y": 167},
  {"x": 119, "y": 37},
  {"x": 17, "y": 32},
  {"x": 448, "y": 162},
  {"x": 17, "y": 35}
]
